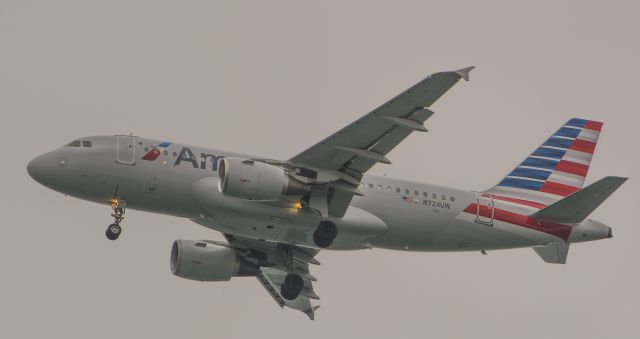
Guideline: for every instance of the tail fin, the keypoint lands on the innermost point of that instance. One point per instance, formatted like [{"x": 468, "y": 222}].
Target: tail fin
[
  {"x": 577, "y": 207},
  {"x": 554, "y": 253},
  {"x": 557, "y": 168}
]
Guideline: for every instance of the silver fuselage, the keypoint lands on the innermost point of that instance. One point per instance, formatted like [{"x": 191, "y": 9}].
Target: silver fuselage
[{"x": 392, "y": 213}]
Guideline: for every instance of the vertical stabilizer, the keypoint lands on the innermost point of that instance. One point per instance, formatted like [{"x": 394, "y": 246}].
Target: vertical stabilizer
[{"x": 557, "y": 168}]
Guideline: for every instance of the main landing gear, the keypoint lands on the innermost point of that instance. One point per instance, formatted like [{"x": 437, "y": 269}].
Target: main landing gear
[
  {"x": 291, "y": 286},
  {"x": 325, "y": 234},
  {"x": 114, "y": 230},
  {"x": 293, "y": 283}
]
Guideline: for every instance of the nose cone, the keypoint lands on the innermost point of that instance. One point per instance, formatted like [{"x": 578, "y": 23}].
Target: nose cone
[{"x": 37, "y": 168}]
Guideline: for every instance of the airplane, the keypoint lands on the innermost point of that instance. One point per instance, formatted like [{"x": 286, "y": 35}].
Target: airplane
[{"x": 276, "y": 215}]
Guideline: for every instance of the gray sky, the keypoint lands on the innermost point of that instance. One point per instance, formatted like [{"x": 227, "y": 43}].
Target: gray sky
[{"x": 272, "y": 78}]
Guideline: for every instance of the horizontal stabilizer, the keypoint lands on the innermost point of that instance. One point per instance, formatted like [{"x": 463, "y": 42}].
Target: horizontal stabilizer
[
  {"x": 553, "y": 254},
  {"x": 576, "y": 207}
]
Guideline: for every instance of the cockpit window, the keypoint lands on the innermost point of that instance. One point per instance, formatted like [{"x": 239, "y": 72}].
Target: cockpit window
[{"x": 80, "y": 143}]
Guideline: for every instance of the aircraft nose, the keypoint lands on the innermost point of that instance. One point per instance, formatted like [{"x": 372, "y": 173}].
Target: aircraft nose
[{"x": 37, "y": 168}]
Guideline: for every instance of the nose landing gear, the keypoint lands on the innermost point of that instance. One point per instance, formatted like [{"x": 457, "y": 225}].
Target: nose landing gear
[{"x": 114, "y": 230}]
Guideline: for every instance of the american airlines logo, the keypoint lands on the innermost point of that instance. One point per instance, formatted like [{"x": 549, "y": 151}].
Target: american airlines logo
[
  {"x": 186, "y": 155},
  {"x": 152, "y": 155}
]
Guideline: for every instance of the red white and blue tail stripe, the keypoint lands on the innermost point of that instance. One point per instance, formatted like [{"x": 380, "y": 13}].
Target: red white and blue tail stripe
[{"x": 556, "y": 169}]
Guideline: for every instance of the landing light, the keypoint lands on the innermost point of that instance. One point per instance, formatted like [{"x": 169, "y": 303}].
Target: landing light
[
  {"x": 297, "y": 205},
  {"x": 116, "y": 202}
]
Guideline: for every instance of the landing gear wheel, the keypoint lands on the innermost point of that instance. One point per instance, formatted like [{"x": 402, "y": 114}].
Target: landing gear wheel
[
  {"x": 113, "y": 231},
  {"x": 292, "y": 286},
  {"x": 324, "y": 235}
]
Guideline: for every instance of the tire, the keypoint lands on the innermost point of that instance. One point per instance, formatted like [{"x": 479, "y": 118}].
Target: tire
[
  {"x": 291, "y": 286},
  {"x": 325, "y": 234},
  {"x": 113, "y": 231}
]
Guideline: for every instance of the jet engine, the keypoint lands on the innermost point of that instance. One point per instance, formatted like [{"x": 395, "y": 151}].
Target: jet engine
[
  {"x": 197, "y": 260},
  {"x": 254, "y": 180}
]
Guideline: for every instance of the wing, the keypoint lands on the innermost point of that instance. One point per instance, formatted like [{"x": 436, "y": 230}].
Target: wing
[
  {"x": 278, "y": 260},
  {"x": 352, "y": 151}
]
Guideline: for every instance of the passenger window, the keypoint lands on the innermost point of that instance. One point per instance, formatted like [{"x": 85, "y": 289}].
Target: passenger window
[
  {"x": 86, "y": 143},
  {"x": 406, "y": 191},
  {"x": 452, "y": 199},
  {"x": 397, "y": 189},
  {"x": 75, "y": 143},
  {"x": 379, "y": 187},
  {"x": 425, "y": 194},
  {"x": 416, "y": 193},
  {"x": 443, "y": 197},
  {"x": 434, "y": 196},
  {"x": 370, "y": 185},
  {"x": 389, "y": 188}
]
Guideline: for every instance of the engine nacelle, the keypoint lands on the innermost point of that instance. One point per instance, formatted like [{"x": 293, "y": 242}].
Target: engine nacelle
[
  {"x": 197, "y": 260},
  {"x": 254, "y": 180}
]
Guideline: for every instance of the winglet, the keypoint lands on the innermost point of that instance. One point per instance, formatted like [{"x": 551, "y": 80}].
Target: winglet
[{"x": 464, "y": 73}]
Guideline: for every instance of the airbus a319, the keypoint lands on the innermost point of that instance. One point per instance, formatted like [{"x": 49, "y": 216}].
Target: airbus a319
[{"x": 276, "y": 215}]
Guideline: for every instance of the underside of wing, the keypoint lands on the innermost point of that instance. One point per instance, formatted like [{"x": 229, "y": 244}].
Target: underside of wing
[
  {"x": 272, "y": 279},
  {"x": 276, "y": 262}
]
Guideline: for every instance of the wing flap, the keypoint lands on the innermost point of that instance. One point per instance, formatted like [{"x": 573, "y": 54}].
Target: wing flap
[
  {"x": 272, "y": 278},
  {"x": 274, "y": 267},
  {"x": 276, "y": 260},
  {"x": 271, "y": 289}
]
